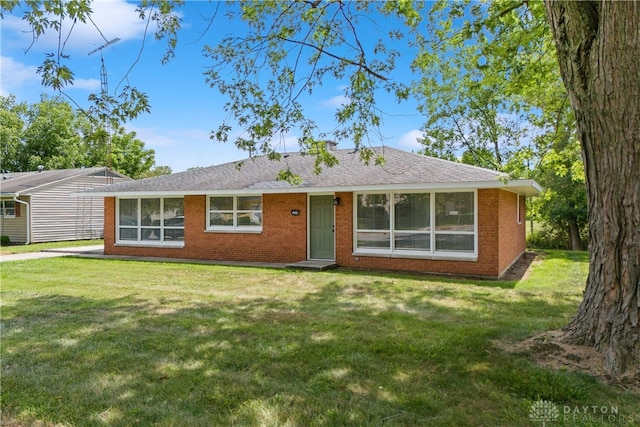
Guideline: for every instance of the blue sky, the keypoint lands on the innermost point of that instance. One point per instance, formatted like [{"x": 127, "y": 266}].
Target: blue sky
[{"x": 184, "y": 110}]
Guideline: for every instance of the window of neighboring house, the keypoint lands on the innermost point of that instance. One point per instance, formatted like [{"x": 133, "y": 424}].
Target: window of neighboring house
[
  {"x": 8, "y": 208},
  {"x": 235, "y": 213},
  {"x": 419, "y": 223},
  {"x": 151, "y": 220}
]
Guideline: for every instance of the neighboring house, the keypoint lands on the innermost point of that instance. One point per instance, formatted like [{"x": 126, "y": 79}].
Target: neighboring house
[
  {"x": 412, "y": 213},
  {"x": 38, "y": 206}
]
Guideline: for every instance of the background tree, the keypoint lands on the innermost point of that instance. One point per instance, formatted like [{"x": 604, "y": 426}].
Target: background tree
[
  {"x": 562, "y": 206},
  {"x": 127, "y": 154},
  {"x": 12, "y": 124},
  {"x": 52, "y": 134},
  {"x": 156, "y": 171}
]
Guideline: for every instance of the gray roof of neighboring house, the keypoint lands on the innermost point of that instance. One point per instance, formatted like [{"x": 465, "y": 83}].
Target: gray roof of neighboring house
[
  {"x": 16, "y": 183},
  {"x": 259, "y": 175}
]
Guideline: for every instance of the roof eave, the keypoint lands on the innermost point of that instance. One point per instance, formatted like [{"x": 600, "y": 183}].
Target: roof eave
[
  {"x": 35, "y": 188},
  {"x": 526, "y": 187}
]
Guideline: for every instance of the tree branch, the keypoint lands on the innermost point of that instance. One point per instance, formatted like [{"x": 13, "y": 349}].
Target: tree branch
[{"x": 361, "y": 65}]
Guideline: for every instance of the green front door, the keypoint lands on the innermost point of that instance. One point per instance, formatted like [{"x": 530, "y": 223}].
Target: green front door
[{"x": 321, "y": 228}]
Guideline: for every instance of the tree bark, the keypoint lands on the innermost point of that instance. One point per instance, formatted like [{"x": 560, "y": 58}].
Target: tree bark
[
  {"x": 574, "y": 235},
  {"x": 598, "y": 46}
]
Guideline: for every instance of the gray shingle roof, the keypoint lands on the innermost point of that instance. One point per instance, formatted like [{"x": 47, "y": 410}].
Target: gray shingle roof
[
  {"x": 260, "y": 175},
  {"x": 24, "y": 182}
]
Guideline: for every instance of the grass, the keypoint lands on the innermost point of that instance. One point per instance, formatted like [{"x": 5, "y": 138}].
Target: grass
[
  {"x": 37, "y": 247},
  {"x": 104, "y": 342}
]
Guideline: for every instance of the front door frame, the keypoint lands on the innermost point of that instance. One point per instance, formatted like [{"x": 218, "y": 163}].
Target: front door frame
[{"x": 309, "y": 196}]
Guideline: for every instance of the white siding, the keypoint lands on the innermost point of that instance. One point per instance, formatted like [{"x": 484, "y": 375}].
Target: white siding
[
  {"x": 56, "y": 215},
  {"x": 15, "y": 228}
]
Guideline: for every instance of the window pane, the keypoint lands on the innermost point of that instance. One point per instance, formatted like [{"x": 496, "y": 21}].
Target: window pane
[
  {"x": 221, "y": 203},
  {"x": 454, "y": 242},
  {"x": 249, "y": 218},
  {"x": 8, "y": 208},
  {"x": 174, "y": 212},
  {"x": 454, "y": 211},
  {"x": 128, "y": 212},
  {"x": 373, "y": 212},
  {"x": 412, "y": 241},
  {"x": 412, "y": 211},
  {"x": 128, "y": 234},
  {"x": 173, "y": 234},
  {"x": 221, "y": 219},
  {"x": 150, "y": 233},
  {"x": 249, "y": 203},
  {"x": 150, "y": 212},
  {"x": 374, "y": 240}
]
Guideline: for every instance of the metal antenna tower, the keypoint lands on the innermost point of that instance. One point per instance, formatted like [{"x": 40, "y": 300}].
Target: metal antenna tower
[{"x": 104, "y": 90}]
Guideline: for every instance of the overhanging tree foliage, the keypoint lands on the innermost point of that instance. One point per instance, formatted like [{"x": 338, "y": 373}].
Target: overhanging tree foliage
[{"x": 598, "y": 46}]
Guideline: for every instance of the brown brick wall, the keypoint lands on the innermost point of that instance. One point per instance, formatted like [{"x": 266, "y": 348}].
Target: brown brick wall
[
  {"x": 284, "y": 237},
  {"x": 512, "y": 234}
]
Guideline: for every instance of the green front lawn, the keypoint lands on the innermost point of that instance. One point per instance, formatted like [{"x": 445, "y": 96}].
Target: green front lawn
[{"x": 103, "y": 342}]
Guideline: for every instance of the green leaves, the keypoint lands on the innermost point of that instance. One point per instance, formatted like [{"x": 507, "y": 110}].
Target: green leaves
[
  {"x": 55, "y": 75},
  {"x": 51, "y": 133},
  {"x": 489, "y": 75},
  {"x": 291, "y": 51}
]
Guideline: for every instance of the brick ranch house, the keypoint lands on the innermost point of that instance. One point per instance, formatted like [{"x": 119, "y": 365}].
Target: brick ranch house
[{"x": 413, "y": 213}]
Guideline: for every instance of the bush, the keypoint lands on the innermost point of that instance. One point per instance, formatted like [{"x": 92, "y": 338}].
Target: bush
[
  {"x": 549, "y": 238},
  {"x": 5, "y": 241}
]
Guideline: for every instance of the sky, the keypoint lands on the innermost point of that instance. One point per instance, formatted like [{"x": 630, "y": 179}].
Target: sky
[{"x": 184, "y": 109}]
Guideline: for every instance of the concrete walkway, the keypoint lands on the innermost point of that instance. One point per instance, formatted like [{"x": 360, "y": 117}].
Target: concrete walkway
[{"x": 96, "y": 250}]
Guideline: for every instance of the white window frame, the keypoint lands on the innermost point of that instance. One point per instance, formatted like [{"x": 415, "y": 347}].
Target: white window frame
[
  {"x": 139, "y": 227},
  {"x": 357, "y": 230},
  {"x": 518, "y": 213},
  {"x": 459, "y": 233},
  {"x": 235, "y": 228},
  {"x": 432, "y": 253},
  {"x": 3, "y": 209}
]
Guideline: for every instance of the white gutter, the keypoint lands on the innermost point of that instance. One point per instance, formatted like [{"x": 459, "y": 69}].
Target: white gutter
[
  {"x": 22, "y": 202},
  {"x": 528, "y": 187}
]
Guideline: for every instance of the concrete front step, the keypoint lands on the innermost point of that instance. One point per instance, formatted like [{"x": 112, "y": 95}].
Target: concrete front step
[{"x": 314, "y": 265}]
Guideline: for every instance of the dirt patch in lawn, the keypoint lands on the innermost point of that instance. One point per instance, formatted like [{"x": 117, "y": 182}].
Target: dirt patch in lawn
[
  {"x": 522, "y": 267},
  {"x": 549, "y": 351}
]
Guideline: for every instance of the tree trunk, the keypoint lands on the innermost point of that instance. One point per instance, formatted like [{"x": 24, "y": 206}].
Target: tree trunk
[
  {"x": 598, "y": 45},
  {"x": 574, "y": 235}
]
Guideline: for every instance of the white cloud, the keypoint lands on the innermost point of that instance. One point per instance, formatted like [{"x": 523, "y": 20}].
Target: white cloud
[
  {"x": 87, "y": 84},
  {"x": 154, "y": 137},
  {"x": 15, "y": 75},
  {"x": 409, "y": 140},
  {"x": 336, "y": 101},
  {"x": 114, "y": 19}
]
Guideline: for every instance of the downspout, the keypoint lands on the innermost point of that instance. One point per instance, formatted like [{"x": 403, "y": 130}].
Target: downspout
[{"x": 22, "y": 202}]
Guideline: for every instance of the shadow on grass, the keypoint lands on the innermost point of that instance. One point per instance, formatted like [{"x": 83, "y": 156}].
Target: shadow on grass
[{"x": 343, "y": 354}]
